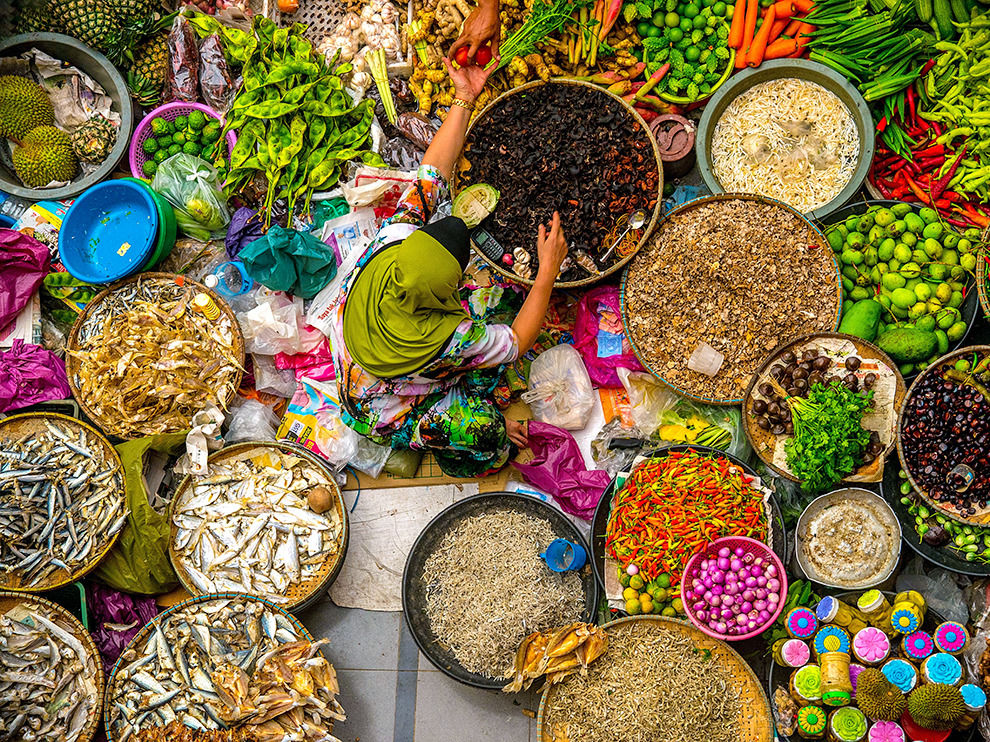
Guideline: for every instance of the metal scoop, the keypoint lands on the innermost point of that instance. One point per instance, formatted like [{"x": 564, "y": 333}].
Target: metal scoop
[{"x": 636, "y": 220}]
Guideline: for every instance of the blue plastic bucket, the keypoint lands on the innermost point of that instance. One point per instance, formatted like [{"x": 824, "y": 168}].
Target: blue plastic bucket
[
  {"x": 109, "y": 233},
  {"x": 564, "y": 556}
]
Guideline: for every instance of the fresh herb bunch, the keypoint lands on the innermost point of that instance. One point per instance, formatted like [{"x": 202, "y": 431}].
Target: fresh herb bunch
[{"x": 829, "y": 440}]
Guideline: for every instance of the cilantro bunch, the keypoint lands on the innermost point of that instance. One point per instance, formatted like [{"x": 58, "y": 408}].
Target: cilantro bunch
[{"x": 829, "y": 440}]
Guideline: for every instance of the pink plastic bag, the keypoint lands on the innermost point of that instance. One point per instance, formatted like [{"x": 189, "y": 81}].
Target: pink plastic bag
[
  {"x": 558, "y": 468},
  {"x": 30, "y": 374},
  {"x": 599, "y": 337},
  {"x": 23, "y": 266}
]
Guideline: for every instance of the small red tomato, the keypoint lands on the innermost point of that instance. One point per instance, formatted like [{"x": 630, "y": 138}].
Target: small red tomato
[
  {"x": 461, "y": 57},
  {"x": 483, "y": 56}
]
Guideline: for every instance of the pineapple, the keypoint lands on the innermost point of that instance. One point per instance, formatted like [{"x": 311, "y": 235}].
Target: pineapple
[
  {"x": 93, "y": 140},
  {"x": 146, "y": 77},
  {"x": 35, "y": 16},
  {"x": 94, "y": 23}
]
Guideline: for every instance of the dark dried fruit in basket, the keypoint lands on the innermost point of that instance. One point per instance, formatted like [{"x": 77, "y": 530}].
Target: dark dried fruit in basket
[
  {"x": 183, "y": 59},
  {"x": 214, "y": 76},
  {"x": 566, "y": 148}
]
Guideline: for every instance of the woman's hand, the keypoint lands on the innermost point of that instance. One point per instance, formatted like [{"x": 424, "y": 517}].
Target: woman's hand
[
  {"x": 551, "y": 248},
  {"x": 481, "y": 27},
  {"x": 469, "y": 81}
]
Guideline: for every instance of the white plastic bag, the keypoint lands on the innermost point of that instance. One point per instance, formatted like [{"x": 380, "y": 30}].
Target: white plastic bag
[
  {"x": 560, "y": 390},
  {"x": 277, "y": 324},
  {"x": 251, "y": 421},
  {"x": 272, "y": 380}
]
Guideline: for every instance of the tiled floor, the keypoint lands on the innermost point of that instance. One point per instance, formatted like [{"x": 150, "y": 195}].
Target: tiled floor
[{"x": 392, "y": 693}]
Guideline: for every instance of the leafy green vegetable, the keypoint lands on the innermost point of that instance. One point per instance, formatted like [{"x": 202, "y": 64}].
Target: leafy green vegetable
[{"x": 829, "y": 439}]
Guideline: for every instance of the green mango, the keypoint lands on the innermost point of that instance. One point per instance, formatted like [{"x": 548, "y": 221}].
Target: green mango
[
  {"x": 908, "y": 345},
  {"x": 914, "y": 223},
  {"x": 862, "y": 319}
]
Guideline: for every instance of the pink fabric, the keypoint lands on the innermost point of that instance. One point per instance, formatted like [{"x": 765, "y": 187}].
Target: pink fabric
[
  {"x": 317, "y": 364},
  {"x": 23, "y": 266},
  {"x": 30, "y": 374},
  {"x": 586, "y": 327}
]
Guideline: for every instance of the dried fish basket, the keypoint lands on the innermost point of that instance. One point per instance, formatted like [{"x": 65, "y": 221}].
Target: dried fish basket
[
  {"x": 462, "y": 166},
  {"x": 764, "y": 443},
  {"x": 301, "y": 594},
  {"x": 689, "y": 206},
  {"x": 9, "y": 600},
  {"x": 140, "y": 640},
  {"x": 755, "y": 720},
  {"x": 72, "y": 366},
  {"x": 32, "y": 423},
  {"x": 983, "y": 279}
]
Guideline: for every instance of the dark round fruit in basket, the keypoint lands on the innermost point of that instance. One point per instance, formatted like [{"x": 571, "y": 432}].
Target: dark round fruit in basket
[
  {"x": 936, "y": 536},
  {"x": 759, "y": 407},
  {"x": 852, "y": 363},
  {"x": 787, "y": 358},
  {"x": 821, "y": 363}
]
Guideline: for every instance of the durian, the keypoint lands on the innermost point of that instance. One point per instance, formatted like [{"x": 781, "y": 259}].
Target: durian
[
  {"x": 936, "y": 706},
  {"x": 23, "y": 106},
  {"x": 45, "y": 155},
  {"x": 877, "y": 697}
]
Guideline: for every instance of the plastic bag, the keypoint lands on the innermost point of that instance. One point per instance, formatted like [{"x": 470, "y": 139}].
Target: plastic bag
[
  {"x": 418, "y": 129},
  {"x": 246, "y": 226},
  {"x": 192, "y": 186},
  {"x": 214, "y": 77},
  {"x": 139, "y": 562},
  {"x": 616, "y": 447},
  {"x": 30, "y": 374},
  {"x": 378, "y": 187},
  {"x": 404, "y": 464},
  {"x": 558, "y": 468},
  {"x": 287, "y": 260},
  {"x": 940, "y": 588},
  {"x": 251, "y": 421},
  {"x": 402, "y": 154},
  {"x": 114, "y": 619},
  {"x": 23, "y": 266},
  {"x": 183, "y": 57},
  {"x": 276, "y": 324},
  {"x": 600, "y": 338},
  {"x": 977, "y": 598},
  {"x": 560, "y": 390},
  {"x": 272, "y": 380}
]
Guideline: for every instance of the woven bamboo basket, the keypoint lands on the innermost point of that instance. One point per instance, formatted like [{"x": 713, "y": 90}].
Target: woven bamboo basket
[
  {"x": 300, "y": 594},
  {"x": 836, "y": 289},
  {"x": 463, "y": 165},
  {"x": 983, "y": 279},
  {"x": 140, "y": 640},
  {"x": 9, "y": 600},
  {"x": 765, "y": 443},
  {"x": 982, "y": 515},
  {"x": 755, "y": 723},
  {"x": 28, "y": 423},
  {"x": 72, "y": 366}
]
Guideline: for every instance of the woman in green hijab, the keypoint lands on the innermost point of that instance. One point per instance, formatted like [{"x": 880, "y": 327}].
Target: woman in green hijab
[{"x": 415, "y": 368}]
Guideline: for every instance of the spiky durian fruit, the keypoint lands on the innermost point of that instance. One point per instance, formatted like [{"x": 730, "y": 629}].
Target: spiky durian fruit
[
  {"x": 877, "y": 697},
  {"x": 936, "y": 706}
]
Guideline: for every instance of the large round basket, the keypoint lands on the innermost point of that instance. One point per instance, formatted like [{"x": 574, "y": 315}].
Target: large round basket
[
  {"x": 299, "y": 594},
  {"x": 72, "y": 366},
  {"x": 10, "y": 600},
  {"x": 30, "y": 424},
  {"x": 755, "y": 722},
  {"x": 653, "y": 217},
  {"x": 982, "y": 515},
  {"x": 836, "y": 290},
  {"x": 764, "y": 443},
  {"x": 140, "y": 640}
]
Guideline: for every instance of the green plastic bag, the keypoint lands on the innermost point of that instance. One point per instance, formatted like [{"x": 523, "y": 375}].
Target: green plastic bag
[
  {"x": 291, "y": 261},
  {"x": 138, "y": 562}
]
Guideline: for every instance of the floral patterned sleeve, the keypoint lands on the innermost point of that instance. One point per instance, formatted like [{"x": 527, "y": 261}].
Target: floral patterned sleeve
[
  {"x": 421, "y": 199},
  {"x": 479, "y": 345}
]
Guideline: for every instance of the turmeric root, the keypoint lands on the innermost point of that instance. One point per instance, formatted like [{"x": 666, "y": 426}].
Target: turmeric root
[{"x": 536, "y": 63}]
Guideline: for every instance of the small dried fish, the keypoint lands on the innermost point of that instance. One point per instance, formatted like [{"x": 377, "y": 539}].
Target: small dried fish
[
  {"x": 61, "y": 503},
  {"x": 176, "y": 732},
  {"x": 47, "y": 678},
  {"x": 146, "y": 363},
  {"x": 247, "y": 526}
]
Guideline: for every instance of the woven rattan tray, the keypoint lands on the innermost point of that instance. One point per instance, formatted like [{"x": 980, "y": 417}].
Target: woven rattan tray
[
  {"x": 18, "y": 426},
  {"x": 755, "y": 721},
  {"x": 299, "y": 594},
  {"x": 462, "y": 165},
  {"x": 9, "y": 600},
  {"x": 765, "y": 443},
  {"x": 72, "y": 366}
]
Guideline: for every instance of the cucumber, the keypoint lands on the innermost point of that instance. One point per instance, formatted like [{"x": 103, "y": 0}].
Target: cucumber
[
  {"x": 942, "y": 15},
  {"x": 959, "y": 11},
  {"x": 924, "y": 10}
]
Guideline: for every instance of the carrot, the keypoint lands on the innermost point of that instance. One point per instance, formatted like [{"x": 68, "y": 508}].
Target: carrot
[
  {"x": 805, "y": 6},
  {"x": 792, "y": 27},
  {"x": 776, "y": 30},
  {"x": 784, "y": 9},
  {"x": 752, "y": 8},
  {"x": 802, "y": 36},
  {"x": 754, "y": 57},
  {"x": 736, "y": 29},
  {"x": 781, "y": 48}
]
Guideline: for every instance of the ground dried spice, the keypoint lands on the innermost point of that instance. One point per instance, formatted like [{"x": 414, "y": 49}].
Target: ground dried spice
[{"x": 738, "y": 274}]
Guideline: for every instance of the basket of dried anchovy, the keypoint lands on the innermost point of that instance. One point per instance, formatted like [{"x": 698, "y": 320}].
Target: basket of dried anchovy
[
  {"x": 62, "y": 500},
  {"x": 52, "y": 673},
  {"x": 569, "y": 146},
  {"x": 277, "y": 525},
  {"x": 142, "y": 360},
  {"x": 223, "y": 662}
]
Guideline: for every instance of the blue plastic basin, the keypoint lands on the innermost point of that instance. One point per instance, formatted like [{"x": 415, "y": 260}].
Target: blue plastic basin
[{"x": 109, "y": 232}]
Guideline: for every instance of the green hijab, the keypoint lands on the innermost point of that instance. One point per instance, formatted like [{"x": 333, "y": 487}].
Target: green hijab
[{"x": 403, "y": 307}]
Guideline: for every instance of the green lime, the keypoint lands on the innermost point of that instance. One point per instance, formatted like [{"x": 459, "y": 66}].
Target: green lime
[
  {"x": 730, "y": 11},
  {"x": 658, "y": 18},
  {"x": 691, "y": 10},
  {"x": 638, "y": 54},
  {"x": 692, "y": 53},
  {"x": 643, "y": 29},
  {"x": 700, "y": 21},
  {"x": 654, "y": 32},
  {"x": 671, "y": 20},
  {"x": 636, "y": 582},
  {"x": 675, "y": 34},
  {"x": 686, "y": 25},
  {"x": 719, "y": 8}
]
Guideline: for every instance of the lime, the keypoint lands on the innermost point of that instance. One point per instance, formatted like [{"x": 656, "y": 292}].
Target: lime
[
  {"x": 730, "y": 10},
  {"x": 669, "y": 612},
  {"x": 624, "y": 579},
  {"x": 654, "y": 32},
  {"x": 686, "y": 25},
  {"x": 700, "y": 21},
  {"x": 630, "y": 594},
  {"x": 636, "y": 582},
  {"x": 658, "y": 18},
  {"x": 633, "y": 607},
  {"x": 691, "y": 10},
  {"x": 663, "y": 580},
  {"x": 675, "y": 34},
  {"x": 677, "y": 605},
  {"x": 692, "y": 53},
  {"x": 643, "y": 29},
  {"x": 671, "y": 20},
  {"x": 719, "y": 8},
  {"x": 646, "y": 605},
  {"x": 660, "y": 595}
]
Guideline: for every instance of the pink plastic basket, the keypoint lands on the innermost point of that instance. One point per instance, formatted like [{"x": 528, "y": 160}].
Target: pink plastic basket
[
  {"x": 169, "y": 112},
  {"x": 750, "y": 546}
]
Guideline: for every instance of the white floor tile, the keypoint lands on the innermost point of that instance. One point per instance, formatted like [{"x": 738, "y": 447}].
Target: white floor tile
[
  {"x": 368, "y": 698},
  {"x": 359, "y": 640},
  {"x": 448, "y": 710}
]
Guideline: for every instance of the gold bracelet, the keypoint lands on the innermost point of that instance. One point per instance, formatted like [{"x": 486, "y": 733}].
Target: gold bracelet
[{"x": 463, "y": 104}]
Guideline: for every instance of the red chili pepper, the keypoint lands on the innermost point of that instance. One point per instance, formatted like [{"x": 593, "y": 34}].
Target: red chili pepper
[
  {"x": 956, "y": 222},
  {"x": 882, "y": 124},
  {"x": 939, "y": 130},
  {"x": 909, "y": 101},
  {"x": 942, "y": 204},
  {"x": 928, "y": 67},
  {"x": 916, "y": 189},
  {"x": 942, "y": 183},
  {"x": 935, "y": 149}
]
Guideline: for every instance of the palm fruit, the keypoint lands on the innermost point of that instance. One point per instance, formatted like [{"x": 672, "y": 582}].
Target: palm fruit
[
  {"x": 877, "y": 697},
  {"x": 146, "y": 77},
  {"x": 935, "y": 706},
  {"x": 93, "y": 140},
  {"x": 92, "y": 22},
  {"x": 23, "y": 106},
  {"x": 45, "y": 155}
]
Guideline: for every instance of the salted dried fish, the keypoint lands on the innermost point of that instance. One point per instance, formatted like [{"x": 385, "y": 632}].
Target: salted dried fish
[
  {"x": 176, "y": 732},
  {"x": 247, "y": 527},
  {"x": 61, "y": 503},
  {"x": 48, "y": 684},
  {"x": 223, "y": 645},
  {"x": 557, "y": 654},
  {"x": 146, "y": 363}
]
